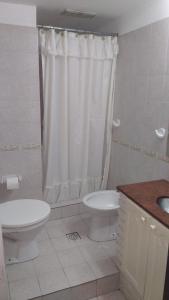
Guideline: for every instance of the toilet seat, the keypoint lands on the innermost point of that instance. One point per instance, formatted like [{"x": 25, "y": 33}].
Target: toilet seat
[
  {"x": 102, "y": 200},
  {"x": 23, "y": 213}
]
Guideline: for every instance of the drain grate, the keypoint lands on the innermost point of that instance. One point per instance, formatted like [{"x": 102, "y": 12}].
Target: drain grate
[
  {"x": 114, "y": 236},
  {"x": 73, "y": 236}
]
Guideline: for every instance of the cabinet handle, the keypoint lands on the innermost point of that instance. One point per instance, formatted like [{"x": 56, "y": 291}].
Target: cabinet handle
[
  {"x": 152, "y": 226},
  {"x": 143, "y": 219}
]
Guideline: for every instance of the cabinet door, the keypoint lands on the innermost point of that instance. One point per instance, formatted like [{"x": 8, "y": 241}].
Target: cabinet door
[
  {"x": 157, "y": 260},
  {"x": 135, "y": 247}
]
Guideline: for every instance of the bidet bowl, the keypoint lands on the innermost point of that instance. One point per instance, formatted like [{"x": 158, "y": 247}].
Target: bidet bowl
[
  {"x": 102, "y": 202},
  {"x": 103, "y": 209}
]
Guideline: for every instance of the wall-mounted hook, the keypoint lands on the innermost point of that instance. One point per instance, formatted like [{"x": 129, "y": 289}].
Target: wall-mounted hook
[
  {"x": 160, "y": 133},
  {"x": 116, "y": 123}
]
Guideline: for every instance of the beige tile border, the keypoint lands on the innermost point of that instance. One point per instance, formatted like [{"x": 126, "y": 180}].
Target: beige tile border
[
  {"x": 143, "y": 150},
  {"x": 19, "y": 147}
]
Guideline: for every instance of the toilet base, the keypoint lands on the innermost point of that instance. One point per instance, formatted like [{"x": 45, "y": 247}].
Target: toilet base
[
  {"x": 20, "y": 251},
  {"x": 102, "y": 228}
]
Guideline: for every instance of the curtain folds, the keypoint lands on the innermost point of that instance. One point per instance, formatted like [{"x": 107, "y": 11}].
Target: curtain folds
[{"x": 78, "y": 96}]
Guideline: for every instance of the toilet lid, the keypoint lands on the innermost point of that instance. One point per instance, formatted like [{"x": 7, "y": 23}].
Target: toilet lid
[{"x": 23, "y": 212}]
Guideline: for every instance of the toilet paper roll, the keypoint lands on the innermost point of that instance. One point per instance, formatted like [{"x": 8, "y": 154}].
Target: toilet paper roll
[{"x": 12, "y": 183}]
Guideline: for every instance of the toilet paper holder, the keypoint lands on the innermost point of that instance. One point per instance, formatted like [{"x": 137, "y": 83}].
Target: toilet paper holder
[{"x": 4, "y": 178}]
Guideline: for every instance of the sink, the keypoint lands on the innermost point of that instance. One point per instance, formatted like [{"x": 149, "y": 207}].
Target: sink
[{"x": 163, "y": 202}]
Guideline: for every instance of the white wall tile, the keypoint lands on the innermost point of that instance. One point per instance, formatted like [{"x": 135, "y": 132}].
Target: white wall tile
[
  {"x": 20, "y": 109},
  {"x": 141, "y": 102}
]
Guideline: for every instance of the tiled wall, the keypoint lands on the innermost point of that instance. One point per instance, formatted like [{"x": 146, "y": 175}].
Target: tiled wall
[
  {"x": 20, "y": 137},
  {"x": 142, "y": 104}
]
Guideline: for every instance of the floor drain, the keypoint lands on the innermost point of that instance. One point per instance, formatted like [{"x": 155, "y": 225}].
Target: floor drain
[
  {"x": 114, "y": 236},
  {"x": 73, "y": 236}
]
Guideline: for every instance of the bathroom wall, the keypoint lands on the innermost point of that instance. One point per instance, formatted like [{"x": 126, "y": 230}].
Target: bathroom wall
[
  {"x": 144, "y": 13},
  {"x": 20, "y": 136},
  {"x": 17, "y": 14},
  {"x": 142, "y": 104}
]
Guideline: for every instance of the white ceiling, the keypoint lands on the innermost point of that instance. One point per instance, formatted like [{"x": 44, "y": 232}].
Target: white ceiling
[{"x": 48, "y": 11}]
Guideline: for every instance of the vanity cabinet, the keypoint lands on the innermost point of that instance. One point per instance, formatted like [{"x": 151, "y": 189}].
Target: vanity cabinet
[
  {"x": 143, "y": 254},
  {"x": 156, "y": 260}
]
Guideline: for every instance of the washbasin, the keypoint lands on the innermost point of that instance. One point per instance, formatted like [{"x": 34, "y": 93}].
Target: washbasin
[{"x": 163, "y": 202}]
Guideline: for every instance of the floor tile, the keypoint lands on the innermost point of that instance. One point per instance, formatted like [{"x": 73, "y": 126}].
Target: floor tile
[
  {"x": 117, "y": 295},
  {"x": 55, "y": 228},
  {"x": 43, "y": 235},
  {"x": 53, "y": 281},
  {"x": 24, "y": 289},
  {"x": 75, "y": 224},
  {"x": 46, "y": 263},
  {"x": 84, "y": 291},
  {"x": 58, "y": 213},
  {"x": 103, "y": 267},
  {"x": 86, "y": 217},
  {"x": 70, "y": 210},
  {"x": 20, "y": 271},
  {"x": 110, "y": 247},
  {"x": 46, "y": 247},
  {"x": 79, "y": 274},
  {"x": 93, "y": 252},
  {"x": 73, "y": 219},
  {"x": 62, "y": 243},
  {"x": 70, "y": 257},
  {"x": 86, "y": 241},
  {"x": 63, "y": 263}
]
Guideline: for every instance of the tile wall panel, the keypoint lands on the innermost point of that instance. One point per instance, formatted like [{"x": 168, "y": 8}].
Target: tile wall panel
[
  {"x": 20, "y": 129},
  {"x": 142, "y": 104}
]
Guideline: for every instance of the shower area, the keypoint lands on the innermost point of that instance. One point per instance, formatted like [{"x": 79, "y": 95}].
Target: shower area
[{"x": 77, "y": 83}]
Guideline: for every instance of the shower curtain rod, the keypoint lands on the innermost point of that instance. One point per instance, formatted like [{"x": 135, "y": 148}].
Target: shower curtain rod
[{"x": 79, "y": 31}]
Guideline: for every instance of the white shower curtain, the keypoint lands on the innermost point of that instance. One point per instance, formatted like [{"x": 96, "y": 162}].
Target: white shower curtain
[{"x": 78, "y": 95}]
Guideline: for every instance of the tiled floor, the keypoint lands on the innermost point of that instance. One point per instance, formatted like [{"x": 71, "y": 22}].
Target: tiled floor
[
  {"x": 117, "y": 295},
  {"x": 63, "y": 264}
]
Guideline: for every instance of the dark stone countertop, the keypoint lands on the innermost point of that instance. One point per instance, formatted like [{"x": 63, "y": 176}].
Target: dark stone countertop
[{"x": 145, "y": 194}]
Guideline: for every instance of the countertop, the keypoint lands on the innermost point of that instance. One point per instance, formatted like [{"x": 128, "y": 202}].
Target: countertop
[{"x": 145, "y": 194}]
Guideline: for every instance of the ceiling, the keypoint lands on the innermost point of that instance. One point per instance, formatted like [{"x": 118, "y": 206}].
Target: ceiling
[{"x": 48, "y": 11}]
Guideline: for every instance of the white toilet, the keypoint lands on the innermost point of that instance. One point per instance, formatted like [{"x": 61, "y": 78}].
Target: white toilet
[
  {"x": 103, "y": 208},
  {"x": 21, "y": 221}
]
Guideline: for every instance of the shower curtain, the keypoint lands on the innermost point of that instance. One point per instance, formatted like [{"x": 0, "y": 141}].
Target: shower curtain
[{"x": 78, "y": 96}]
